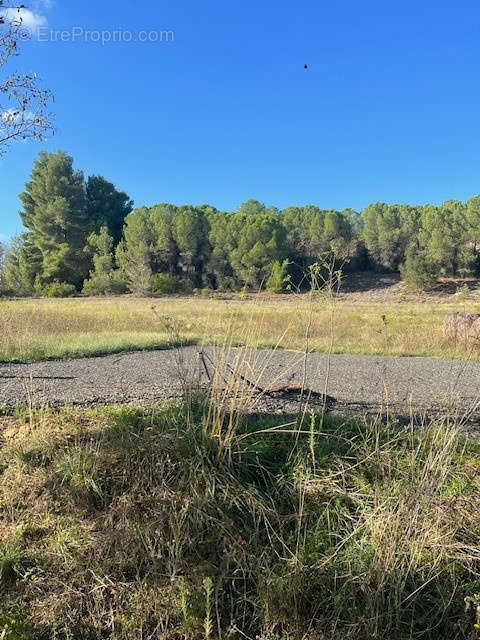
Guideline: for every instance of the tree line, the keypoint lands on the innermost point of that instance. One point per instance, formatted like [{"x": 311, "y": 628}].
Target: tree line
[{"x": 83, "y": 235}]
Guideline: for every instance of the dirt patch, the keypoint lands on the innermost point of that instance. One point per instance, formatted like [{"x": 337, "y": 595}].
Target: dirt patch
[{"x": 368, "y": 287}]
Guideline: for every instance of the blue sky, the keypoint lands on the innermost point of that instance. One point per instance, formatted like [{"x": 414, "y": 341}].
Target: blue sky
[{"x": 387, "y": 110}]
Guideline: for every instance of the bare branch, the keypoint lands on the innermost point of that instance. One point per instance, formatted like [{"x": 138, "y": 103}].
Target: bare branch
[{"x": 24, "y": 113}]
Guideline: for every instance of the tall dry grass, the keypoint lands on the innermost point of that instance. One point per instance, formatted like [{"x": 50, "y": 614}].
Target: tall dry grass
[
  {"x": 128, "y": 523},
  {"x": 41, "y": 329}
]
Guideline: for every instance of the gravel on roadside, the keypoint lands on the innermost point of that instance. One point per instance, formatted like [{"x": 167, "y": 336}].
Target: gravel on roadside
[{"x": 357, "y": 383}]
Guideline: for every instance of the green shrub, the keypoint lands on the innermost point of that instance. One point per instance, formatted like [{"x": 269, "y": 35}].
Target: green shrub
[
  {"x": 58, "y": 290},
  {"x": 99, "y": 285},
  {"x": 418, "y": 271},
  {"x": 164, "y": 284},
  {"x": 279, "y": 278}
]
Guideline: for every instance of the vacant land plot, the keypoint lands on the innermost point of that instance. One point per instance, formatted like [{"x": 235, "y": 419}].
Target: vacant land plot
[
  {"x": 379, "y": 319},
  {"x": 239, "y": 526}
]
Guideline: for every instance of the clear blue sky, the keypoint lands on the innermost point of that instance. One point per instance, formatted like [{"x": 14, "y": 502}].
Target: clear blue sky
[{"x": 389, "y": 108}]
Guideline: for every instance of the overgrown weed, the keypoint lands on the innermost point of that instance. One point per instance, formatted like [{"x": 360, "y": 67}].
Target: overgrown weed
[{"x": 119, "y": 522}]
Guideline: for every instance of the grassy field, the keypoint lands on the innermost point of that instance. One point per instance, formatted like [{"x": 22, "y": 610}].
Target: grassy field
[
  {"x": 41, "y": 329},
  {"x": 191, "y": 521},
  {"x": 123, "y": 523}
]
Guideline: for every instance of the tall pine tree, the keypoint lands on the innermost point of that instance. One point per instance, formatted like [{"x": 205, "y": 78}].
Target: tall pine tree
[
  {"x": 106, "y": 206},
  {"x": 55, "y": 216}
]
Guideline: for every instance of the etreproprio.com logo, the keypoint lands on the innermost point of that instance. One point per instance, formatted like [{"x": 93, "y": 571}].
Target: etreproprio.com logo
[{"x": 102, "y": 37}]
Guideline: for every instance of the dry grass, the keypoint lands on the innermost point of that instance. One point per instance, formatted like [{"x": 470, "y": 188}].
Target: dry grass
[
  {"x": 123, "y": 523},
  {"x": 41, "y": 329}
]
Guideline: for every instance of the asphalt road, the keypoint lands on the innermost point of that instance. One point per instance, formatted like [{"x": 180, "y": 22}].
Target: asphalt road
[{"x": 357, "y": 383}]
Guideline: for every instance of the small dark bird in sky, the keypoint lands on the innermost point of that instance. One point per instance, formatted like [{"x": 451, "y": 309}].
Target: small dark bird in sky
[{"x": 305, "y": 66}]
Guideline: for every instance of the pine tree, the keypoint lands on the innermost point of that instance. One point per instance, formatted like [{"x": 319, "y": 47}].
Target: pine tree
[
  {"x": 166, "y": 252},
  {"x": 106, "y": 206},
  {"x": 257, "y": 241},
  {"x": 190, "y": 230},
  {"x": 55, "y": 215},
  {"x": 23, "y": 262},
  {"x": 278, "y": 280},
  {"x": 418, "y": 271},
  {"x": 446, "y": 236},
  {"x": 136, "y": 252},
  {"x": 220, "y": 273},
  {"x": 388, "y": 231},
  {"x": 103, "y": 277}
]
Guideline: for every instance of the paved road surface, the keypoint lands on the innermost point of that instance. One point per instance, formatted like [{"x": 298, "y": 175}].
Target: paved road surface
[{"x": 356, "y": 382}]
